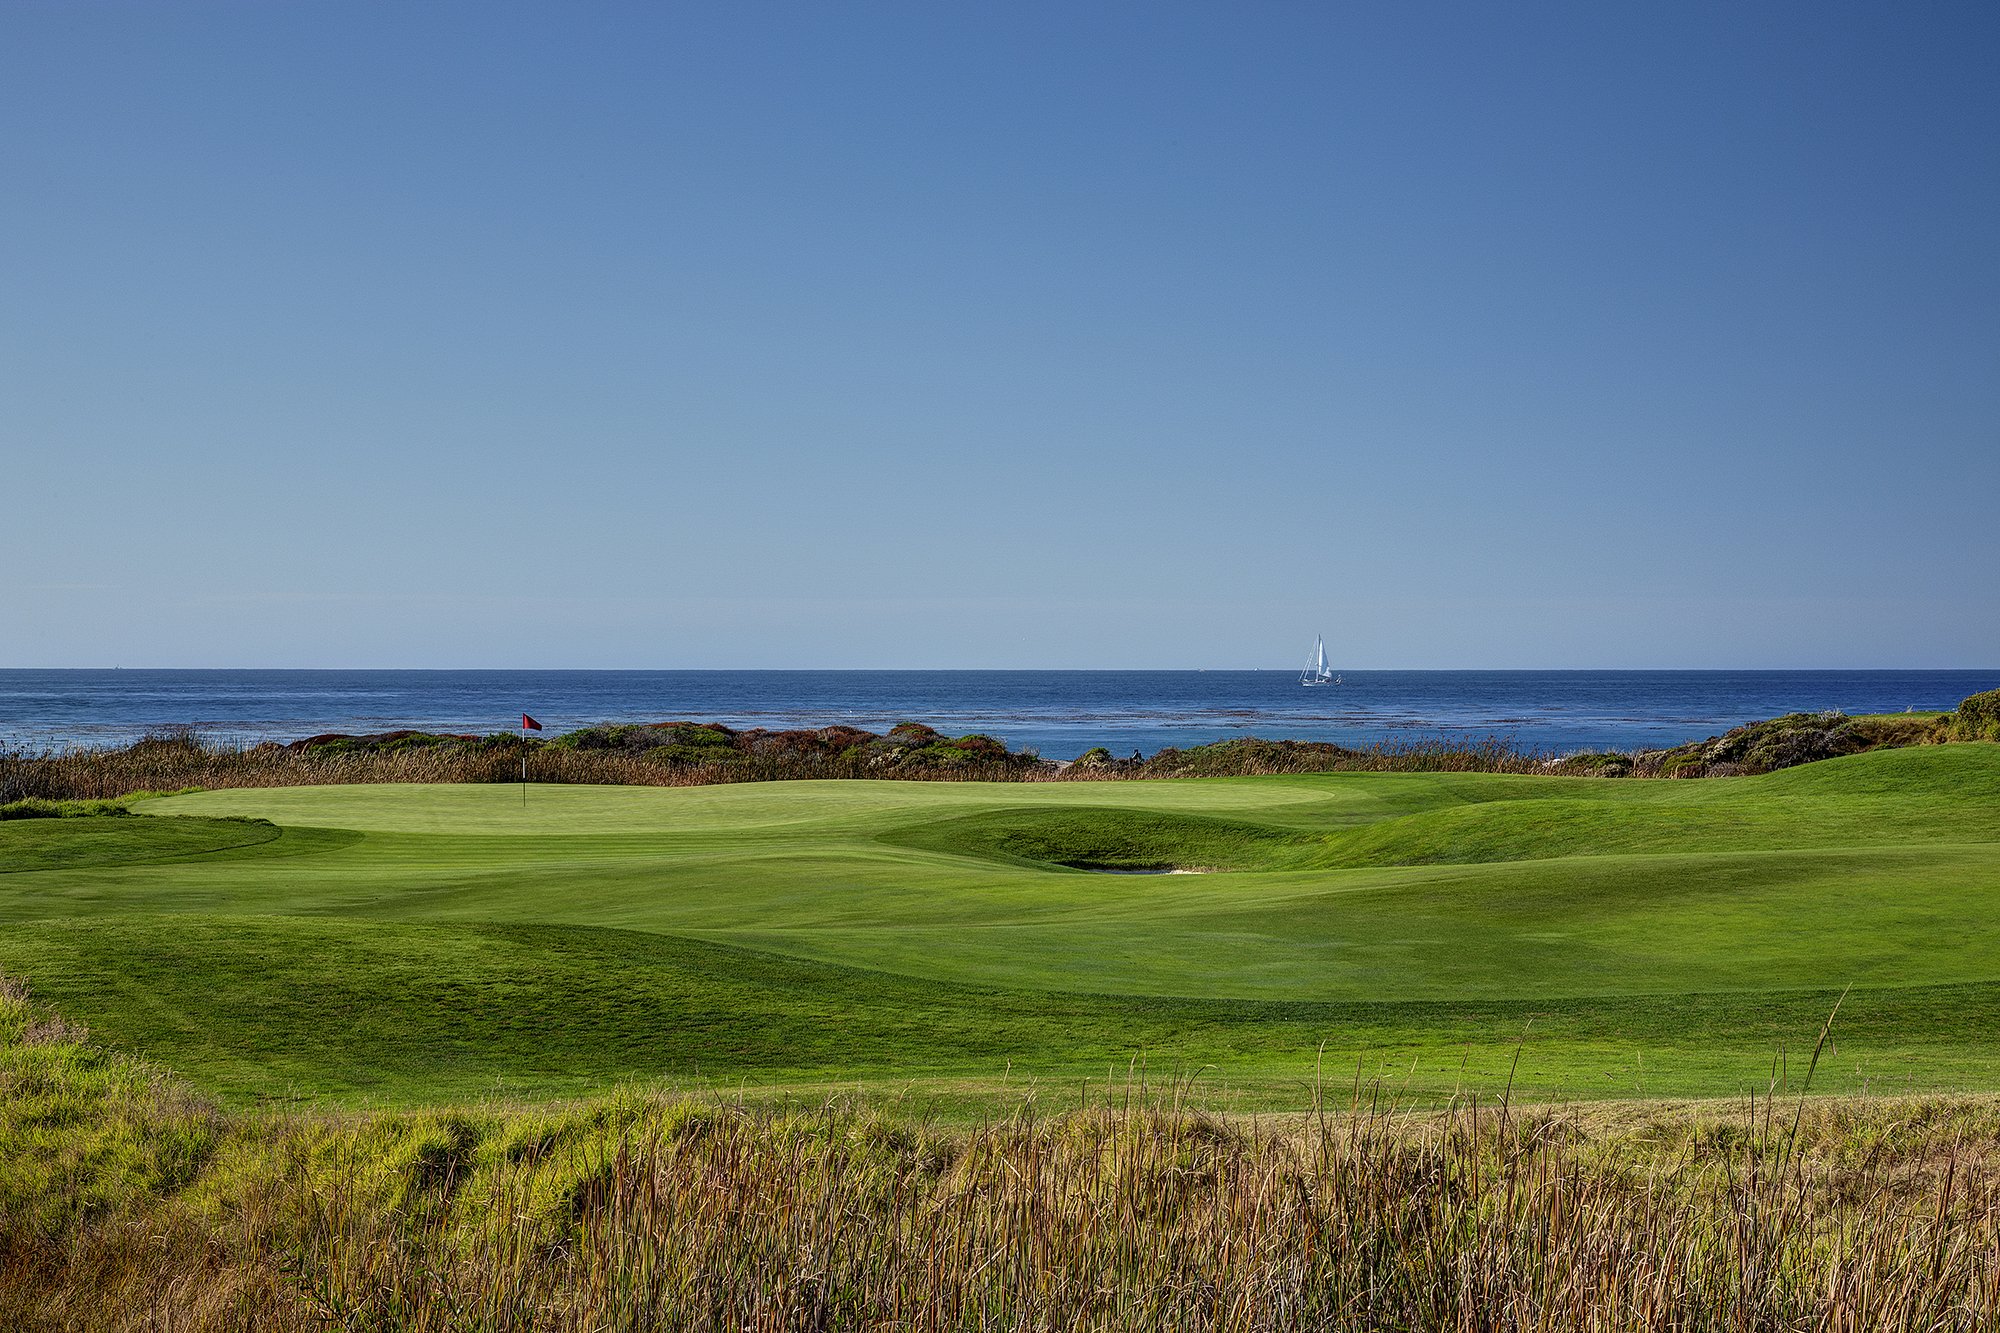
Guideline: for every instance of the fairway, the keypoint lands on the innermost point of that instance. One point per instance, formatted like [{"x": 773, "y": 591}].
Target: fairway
[{"x": 1622, "y": 937}]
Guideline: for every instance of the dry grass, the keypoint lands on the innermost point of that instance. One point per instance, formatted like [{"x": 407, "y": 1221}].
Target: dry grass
[
  {"x": 125, "y": 1204},
  {"x": 182, "y": 760}
]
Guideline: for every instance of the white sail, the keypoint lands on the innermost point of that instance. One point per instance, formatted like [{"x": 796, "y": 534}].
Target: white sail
[{"x": 1317, "y": 673}]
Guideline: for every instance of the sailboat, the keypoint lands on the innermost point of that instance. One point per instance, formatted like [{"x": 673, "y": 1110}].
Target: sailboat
[{"x": 1316, "y": 673}]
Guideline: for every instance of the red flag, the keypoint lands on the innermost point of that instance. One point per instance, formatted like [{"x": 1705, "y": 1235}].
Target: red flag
[{"x": 529, "y": 724}]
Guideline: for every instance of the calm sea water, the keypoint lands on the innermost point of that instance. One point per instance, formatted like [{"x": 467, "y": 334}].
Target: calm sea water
[{"x": 1061, "y": 713}]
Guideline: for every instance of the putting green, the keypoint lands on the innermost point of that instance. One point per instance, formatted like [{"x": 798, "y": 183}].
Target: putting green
[{"x": 410, "y": 942}]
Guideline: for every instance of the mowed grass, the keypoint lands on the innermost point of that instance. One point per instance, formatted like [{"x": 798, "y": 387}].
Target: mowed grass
[{"x": 1585, "y": 938}]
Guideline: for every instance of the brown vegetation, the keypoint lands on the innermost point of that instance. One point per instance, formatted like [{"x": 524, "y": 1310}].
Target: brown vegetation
[
  {"x": 126, "y": 1204},
  {"x": 675, "y": 755}
]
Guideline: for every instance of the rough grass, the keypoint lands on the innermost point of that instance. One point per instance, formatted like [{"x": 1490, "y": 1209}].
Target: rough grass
[
  {"x": 128, "y": 1203},
  {"x": 625, "y": 756}
]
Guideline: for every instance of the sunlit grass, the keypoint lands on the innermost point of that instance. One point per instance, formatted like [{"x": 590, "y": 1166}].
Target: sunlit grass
[{"x": 398, "y": 944}]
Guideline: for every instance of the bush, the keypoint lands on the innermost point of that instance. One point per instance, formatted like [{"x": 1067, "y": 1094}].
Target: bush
[
  {"x": 1978, "y": 718},
  {"x": 1248, "y": 755},
  {"x": 1594, "y": 764},
  {"x": 1761, "y": 747}
]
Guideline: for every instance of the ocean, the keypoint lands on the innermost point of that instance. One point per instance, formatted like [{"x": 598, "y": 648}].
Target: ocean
[{"x": 1059, "y": 713}]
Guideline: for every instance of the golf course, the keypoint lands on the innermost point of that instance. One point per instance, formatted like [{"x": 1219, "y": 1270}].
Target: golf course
[{"x": 958, "y": 944}]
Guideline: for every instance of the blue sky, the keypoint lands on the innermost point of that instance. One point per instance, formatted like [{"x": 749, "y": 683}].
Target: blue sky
[{"x": 1014, "y": 335}]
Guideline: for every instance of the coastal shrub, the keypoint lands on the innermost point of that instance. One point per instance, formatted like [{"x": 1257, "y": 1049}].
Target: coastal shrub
[
  {"x": 946, "y": 754},
  {"x": 698, "y": 736},
  {"x": 1978, "y": 718},
  {"x": 386, "y": 742},
  {"x": 1761, "y": 747},
  {"x": 692, "y": 755},
  {"x": 1247, "y": 754},
  {"x": 615, "y": 736},
  {"x": 1594, "y": 764},
  {"x": 1681, "y": 766}
]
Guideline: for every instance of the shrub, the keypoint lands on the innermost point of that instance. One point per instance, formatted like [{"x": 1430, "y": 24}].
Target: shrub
[
  {"x": 1978, "y": 718},
  {"x": 1594, "y": 764},
  {"x": 1761, "y": 747}
]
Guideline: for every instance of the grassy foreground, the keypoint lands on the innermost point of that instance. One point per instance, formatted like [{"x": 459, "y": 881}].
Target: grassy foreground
[
  {"x": 403, "y": 945},
  {"x": 127, "y": 1202}
]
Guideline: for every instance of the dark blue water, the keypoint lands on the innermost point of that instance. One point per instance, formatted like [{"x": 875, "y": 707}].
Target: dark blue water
[{"x": 1061, "y": 713}]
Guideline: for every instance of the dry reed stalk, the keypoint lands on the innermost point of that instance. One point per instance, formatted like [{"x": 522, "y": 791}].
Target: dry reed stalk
[
  {"x": 1132, "y": 1216},
  {"x": 180, "y": 761}
]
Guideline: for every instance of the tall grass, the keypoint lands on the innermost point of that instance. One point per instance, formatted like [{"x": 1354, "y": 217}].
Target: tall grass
[
  {"x": 174, "y": 761},
  {"x": 126, "y": 1204}
]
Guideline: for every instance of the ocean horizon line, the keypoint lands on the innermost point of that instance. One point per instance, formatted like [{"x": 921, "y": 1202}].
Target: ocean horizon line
[{"x": 1102, "y": 670}]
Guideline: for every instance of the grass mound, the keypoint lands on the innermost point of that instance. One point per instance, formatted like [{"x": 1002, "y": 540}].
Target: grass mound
[
  {"x": 83, "y": 842},
  {"x": 1109, "y": 837},
  {"x": 1930, "y": 794}
]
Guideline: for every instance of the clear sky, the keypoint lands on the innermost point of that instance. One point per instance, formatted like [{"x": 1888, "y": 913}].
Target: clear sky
[{"x": 1060, "y": 335}]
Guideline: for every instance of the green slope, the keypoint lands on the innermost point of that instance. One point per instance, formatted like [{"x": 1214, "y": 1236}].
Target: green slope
[{"x": 411, "y": 942}]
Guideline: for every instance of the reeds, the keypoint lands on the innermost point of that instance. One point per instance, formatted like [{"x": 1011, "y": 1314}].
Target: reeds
[
  {"x": 1129, "y": 1211},
  {"x": 177, "y": 761}
]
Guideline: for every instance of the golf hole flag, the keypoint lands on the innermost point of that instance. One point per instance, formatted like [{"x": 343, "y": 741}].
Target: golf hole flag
[{"x": 528, "y": 724}]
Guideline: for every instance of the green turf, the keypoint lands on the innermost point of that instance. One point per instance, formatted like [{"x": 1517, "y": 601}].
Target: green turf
[
  {"x": 1662, "y": 938},
  {"x": 77, "y": 844}
]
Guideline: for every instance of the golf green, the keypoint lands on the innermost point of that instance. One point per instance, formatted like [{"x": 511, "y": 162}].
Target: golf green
[{"x": 1616, "y": 937}]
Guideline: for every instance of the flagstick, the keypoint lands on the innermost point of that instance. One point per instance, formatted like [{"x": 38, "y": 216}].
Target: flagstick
[{"x": 528, "y": 724}]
